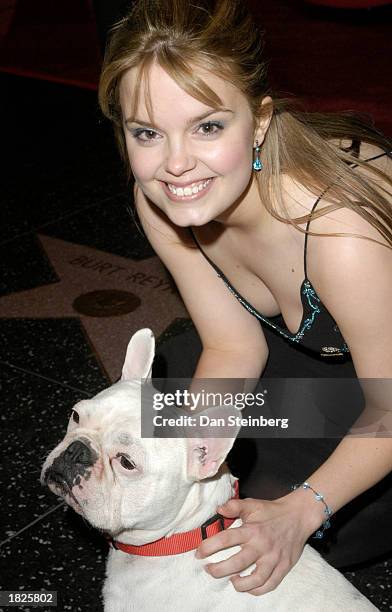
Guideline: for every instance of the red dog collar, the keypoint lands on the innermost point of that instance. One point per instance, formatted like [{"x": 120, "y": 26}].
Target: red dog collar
[{"x": 180, "y": 542}]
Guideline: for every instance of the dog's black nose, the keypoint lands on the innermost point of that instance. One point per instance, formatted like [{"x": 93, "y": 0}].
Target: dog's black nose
[
  {"x": 71, "y": 463},
  {"x": 78, "y": 452}
]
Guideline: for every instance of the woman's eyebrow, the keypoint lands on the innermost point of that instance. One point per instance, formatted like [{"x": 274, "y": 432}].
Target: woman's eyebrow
[{"x": 188, "y": 123}]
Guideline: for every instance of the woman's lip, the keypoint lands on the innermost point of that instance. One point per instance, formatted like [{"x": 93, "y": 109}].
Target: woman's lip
[{"x": 193, "y": 196}]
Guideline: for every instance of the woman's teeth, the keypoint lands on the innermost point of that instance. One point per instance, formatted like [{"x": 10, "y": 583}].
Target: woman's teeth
[{"x": 187, "y": 191}]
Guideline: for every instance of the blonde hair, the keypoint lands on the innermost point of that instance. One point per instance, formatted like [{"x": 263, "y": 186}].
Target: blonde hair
[{"x": 221, "y": 36}]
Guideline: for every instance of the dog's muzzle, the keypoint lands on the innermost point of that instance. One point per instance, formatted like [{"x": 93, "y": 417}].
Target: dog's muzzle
[{"x": 71, "y": 465}]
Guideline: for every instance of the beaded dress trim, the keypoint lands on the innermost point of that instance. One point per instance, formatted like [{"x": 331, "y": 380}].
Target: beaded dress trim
[
  {"x": 311, "y": 303},
  {"x": 307, "y": 292}
]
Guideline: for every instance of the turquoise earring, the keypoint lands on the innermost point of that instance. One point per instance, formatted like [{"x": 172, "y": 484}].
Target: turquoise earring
[{"x": 257, "y": 163}]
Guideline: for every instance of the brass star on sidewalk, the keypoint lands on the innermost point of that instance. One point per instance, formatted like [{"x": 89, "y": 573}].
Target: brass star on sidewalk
[{"x": 111, "y": 295}]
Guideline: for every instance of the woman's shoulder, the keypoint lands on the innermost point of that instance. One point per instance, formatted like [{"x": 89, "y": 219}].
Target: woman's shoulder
[
  {"x": 370, "y": 154},
  {"x": 369, "y": 151},
  {"x": 365, "y": 150},
  {"x": 300, "y": 201},
  {"x": 346, "y": 242},
  {"x": 349, "y": 219}
]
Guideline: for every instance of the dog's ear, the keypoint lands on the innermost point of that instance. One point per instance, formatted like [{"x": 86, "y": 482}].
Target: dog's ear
[
  {"x": 140, "y": 355},
  {"x": 206, "y": 455}
]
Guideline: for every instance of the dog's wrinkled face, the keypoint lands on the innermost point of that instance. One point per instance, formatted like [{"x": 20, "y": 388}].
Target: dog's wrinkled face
[
  {"x": 108, "y": 473},
  {"x": 104, "y": 469},
  {"x": 112, "y": 476}
]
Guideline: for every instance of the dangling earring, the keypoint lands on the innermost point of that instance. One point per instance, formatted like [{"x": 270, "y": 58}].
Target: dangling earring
[{"x": 257, "y": 163}]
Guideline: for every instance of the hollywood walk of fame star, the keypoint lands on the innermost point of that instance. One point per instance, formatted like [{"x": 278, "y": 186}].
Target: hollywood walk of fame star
[{"x": 122, "y": 296}]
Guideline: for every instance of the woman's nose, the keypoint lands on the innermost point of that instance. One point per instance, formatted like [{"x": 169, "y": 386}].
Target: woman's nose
[{"x": 179, "y": 159}]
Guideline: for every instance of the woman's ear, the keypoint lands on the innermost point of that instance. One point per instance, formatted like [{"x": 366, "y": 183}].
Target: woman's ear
[{"x": 264, "y": 120}]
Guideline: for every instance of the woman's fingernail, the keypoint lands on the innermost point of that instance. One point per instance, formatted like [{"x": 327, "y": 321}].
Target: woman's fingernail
[{"x": 197, "y": 555}]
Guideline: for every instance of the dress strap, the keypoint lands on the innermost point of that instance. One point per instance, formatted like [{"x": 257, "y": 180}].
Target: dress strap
[
  {"x": 322, "y": 195},
  {"x": 307, "y": 229},
  {"x": 212, "y": 264}
]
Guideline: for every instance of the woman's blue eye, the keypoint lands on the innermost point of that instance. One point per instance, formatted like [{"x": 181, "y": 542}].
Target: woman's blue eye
[
  {"x": 211, "y": 127},
  {"x": 148, "y": 135}
]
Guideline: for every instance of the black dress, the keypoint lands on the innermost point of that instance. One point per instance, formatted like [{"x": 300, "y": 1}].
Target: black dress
[{"x": 267, "y": 466}]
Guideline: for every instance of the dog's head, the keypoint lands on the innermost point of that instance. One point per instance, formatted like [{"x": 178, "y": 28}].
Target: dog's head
[{"x": 112, "y": 476}]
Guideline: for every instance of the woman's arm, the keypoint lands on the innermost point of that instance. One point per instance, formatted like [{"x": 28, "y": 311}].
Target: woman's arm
[
  {"x": 233, "y": 342},
  {"x": 353, "y": 279}
]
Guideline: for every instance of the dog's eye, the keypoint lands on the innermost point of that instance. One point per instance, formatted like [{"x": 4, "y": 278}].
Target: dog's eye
[
  {"x": 126, "y": 463},
  {"x": 75, "y": 416}
]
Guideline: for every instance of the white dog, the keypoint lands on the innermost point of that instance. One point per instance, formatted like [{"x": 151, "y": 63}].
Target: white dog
[{"x": 141, "y": 490}]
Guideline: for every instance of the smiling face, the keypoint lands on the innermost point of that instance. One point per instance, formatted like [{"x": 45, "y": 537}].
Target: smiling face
[{"x": 194, "y": 162}]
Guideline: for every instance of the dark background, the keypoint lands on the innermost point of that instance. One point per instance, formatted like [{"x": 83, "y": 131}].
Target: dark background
[{"x": 64, "y": 196}]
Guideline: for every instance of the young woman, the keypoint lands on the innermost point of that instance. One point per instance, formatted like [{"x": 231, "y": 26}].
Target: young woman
[{"x": 259, "y": 210}]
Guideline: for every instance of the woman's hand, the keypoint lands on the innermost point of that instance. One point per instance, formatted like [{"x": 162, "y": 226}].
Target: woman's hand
[{"x": 272, "y": 536}]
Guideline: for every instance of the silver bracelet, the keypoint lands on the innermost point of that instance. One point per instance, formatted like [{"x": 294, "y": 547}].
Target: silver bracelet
[{"x": 327, "y": 510}]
